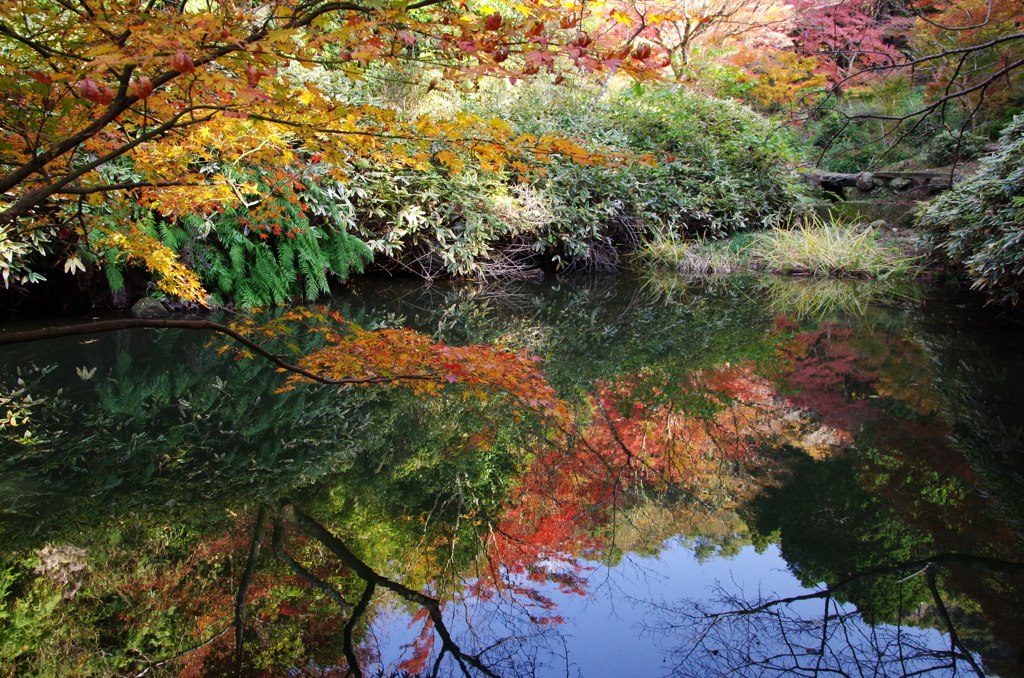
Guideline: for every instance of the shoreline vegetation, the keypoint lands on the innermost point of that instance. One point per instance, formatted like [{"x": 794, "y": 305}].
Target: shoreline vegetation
[
  {"x": 810, "y": 246},
  {"x": 707, "y": 186},
  {"x": 209, "y": 158}
]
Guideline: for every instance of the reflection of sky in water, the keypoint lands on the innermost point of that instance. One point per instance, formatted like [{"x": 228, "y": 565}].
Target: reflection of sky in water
[
  {"x": 611, "y": 631},
  {"x": 608, "y": 627}
]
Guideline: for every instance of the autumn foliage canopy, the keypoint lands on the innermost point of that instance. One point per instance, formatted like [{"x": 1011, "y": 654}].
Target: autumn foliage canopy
[{"x": 148, "y": 103}]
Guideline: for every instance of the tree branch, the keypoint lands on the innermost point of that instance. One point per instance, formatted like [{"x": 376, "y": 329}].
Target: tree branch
[
  {"x": 367, "y": 574},
  {"x": 294, "y": 566},
  {"x": 243, "y": 586},
  {"x": 127, "y": 186},
  {"x": 924, "y": 565},
  {"x": 129, "y": 324}
]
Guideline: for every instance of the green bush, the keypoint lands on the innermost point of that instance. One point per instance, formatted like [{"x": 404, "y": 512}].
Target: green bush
[
  {"x": 433, "y": 222},
  {"x": 979, "y": 224},
  {"x": 724, "y": 169},
  {"x": 948, "y": 147},
  {"x": 719, "y": 168},
  {"x": 845, "y": 143}
]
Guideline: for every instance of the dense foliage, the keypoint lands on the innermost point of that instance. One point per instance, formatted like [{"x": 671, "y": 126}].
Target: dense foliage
[
  {"x": 245, "y": 155},
  {"x": 980, "y": 223},
  {"x": 169, "y": 107},
  {"x": 717, "y": 168}
]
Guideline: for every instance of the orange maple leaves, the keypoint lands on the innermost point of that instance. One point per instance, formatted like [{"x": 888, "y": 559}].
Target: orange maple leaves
[{"x": 351, "y": 355}]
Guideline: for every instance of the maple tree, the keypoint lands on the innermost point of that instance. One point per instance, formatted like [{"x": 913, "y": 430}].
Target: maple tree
[
  {"x": 852, "y": 36},
  {"x": 957, "y": 60},
  {"x": 969, "y": 50},
  {"x": 679, "y": 28},
  {"x": 108, "y": 105}
]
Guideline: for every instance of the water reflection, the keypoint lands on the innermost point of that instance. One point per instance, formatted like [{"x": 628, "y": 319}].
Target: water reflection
[{"x": 165, "y": 512}]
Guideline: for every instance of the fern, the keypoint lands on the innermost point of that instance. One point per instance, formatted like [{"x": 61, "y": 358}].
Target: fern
[
  {"x": 313, "y": 268},
  {"x": 284, "y": 246},
  {"x": 115, "y": 276},
  {"x": 286, "y": 253},
  {"x": 237, "y": 255}
]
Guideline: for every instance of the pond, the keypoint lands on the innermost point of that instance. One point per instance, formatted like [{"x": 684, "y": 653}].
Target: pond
[{"x": 747, "y": 477}]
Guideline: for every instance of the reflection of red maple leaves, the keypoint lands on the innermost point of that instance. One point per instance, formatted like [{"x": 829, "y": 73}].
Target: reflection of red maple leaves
[
  {"x": 829, "y": 377},
  {"x": 569, "y": 497},
  {"x": 422, "y": 645}
]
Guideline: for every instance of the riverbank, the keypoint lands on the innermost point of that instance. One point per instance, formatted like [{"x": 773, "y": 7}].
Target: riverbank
[{"x": 813, "y": 246}]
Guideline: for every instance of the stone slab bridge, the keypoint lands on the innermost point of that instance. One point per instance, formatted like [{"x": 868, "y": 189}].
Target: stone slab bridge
[{"x": 915, "y": 184}]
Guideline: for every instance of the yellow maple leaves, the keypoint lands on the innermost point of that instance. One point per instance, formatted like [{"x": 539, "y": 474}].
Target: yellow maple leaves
[{"x": 172, "y": 276}]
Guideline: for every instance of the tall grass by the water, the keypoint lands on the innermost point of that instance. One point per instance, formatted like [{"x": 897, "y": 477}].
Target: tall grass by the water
[
  {"x": 832, "y": 248},
  {"x": 695, "y": 257}
]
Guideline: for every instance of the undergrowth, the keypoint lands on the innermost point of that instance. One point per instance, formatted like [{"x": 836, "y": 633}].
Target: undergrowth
[
  {"x": 832, "y": 248},
  {"x": 697, "y": 256}
]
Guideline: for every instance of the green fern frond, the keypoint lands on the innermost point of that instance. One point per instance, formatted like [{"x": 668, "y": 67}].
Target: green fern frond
[{"x": 115, "y": 276}]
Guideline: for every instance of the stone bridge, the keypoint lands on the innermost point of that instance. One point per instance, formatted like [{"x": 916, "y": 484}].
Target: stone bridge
[{"x": 877, "y": 184}]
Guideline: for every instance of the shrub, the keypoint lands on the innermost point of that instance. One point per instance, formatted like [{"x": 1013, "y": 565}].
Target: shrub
[
  {"x": 844, "y": 143},
  {"x": 979, "y": 224},
  {"x": 948, "y": 147},
  {"x": 724, "y": 168},
  {"x": 720, "y": 168}
]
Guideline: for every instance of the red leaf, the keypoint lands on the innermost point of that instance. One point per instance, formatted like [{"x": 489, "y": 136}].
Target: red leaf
[
  {"x": 90, "y": 91},
  {"x": 141, "y": 87},
  {"x": 492, "y": 22},
  {"x": 182, "y": 62}
]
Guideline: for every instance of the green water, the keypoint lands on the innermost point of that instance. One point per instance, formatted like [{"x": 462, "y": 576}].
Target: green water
[{"x": 733, "y": 443}]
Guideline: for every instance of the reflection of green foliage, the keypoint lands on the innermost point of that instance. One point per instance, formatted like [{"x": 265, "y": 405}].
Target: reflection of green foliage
[
  {"x": 434, "y": 472},
  {"x": 211, "y": 425},
  {"x": 603, "y": 330},
  {"x": 834, "y": 298},
  {"x": 981, "y": 398},
  {"x": 68, "y": 611},
  {"x": 830, "y": 528}
]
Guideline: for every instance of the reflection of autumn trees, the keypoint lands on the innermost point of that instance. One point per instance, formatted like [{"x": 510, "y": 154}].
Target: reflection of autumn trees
[
  {"x": 860, "y": 402},
  {"x": 900, "y": 493},
  {"x": 830, "y": 437},
  {"x": 691, "y": 468}
]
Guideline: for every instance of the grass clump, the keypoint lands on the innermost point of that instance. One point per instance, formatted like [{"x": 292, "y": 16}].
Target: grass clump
[
  {"x": 699, "y": 256},
  {"x": 832, "y": 248}
]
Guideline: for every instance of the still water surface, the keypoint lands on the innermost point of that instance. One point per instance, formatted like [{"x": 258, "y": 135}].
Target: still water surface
[{"x": 758, "y": 478}]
